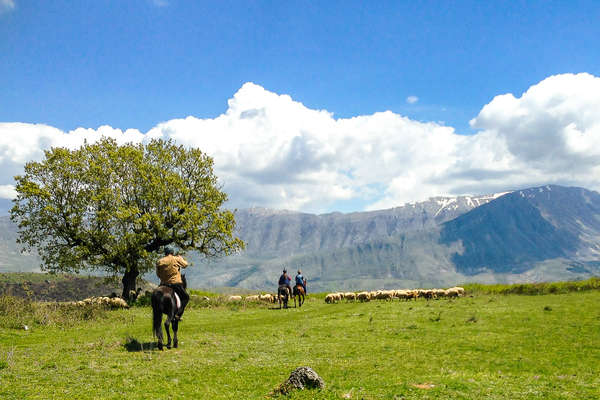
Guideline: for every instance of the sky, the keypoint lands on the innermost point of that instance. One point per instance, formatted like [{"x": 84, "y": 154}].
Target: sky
[{"x": 314, "y": 106}]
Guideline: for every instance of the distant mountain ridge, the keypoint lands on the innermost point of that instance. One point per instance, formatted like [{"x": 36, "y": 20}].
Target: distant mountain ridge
[
  {"x": 285, "y": 233},
  {"x": 544, "y": 233}
]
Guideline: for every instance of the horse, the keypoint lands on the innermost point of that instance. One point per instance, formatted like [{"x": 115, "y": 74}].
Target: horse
[
  {"x": 283, "y": 293},
  {"x": 164, "y": 302},
  {"x": 298, "y": 290}
]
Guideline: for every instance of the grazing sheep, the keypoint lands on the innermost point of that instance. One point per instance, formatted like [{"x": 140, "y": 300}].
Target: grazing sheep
[
  {"x": 426, "y": 293},
  {"x": 116, "y": 302},
  {"x": 350, "y": 296},
  {"x": 363, "y": 296},
  {"x": 452, "y": 292},
  {"x": 412, "y": 294},
  {"x": 234, "y": 298},
  {"x": 333, "y": 298},
  {"x": 384, "y": 295},
  {"x": 252, "y": 298},
  {"x": 266, "y": 297}
]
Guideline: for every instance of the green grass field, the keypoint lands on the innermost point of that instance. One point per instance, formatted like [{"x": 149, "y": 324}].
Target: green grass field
[{"x": 480, "y": 347}]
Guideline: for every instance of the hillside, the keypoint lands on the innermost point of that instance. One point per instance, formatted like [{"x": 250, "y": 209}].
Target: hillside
[{"x": 537, "y": 234}]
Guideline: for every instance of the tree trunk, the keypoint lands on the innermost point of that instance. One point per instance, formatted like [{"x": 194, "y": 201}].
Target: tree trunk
[{"x": 128, "y": 280}]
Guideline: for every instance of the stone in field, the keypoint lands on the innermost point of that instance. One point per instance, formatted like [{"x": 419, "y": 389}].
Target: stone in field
[{"x": 301, "y": 378}]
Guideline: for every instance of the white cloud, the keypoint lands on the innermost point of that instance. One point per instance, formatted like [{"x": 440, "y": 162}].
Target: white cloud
[
  {"x": 272, "y": 151},
  {"x": 7, "y": 192},
  {"x": 412, "y": 99},
  {"x": 6, "y": 5}
]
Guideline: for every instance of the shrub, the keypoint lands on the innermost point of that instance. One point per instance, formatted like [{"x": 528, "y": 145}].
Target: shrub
[
  {"x": 534, "y": 288},
  {"x": 17, "y": 312}
]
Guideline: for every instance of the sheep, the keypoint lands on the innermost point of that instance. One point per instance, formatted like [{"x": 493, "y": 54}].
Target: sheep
[
  {"x": 234, "y": 298},
  {"x": 384, "y": 295},
  {"x": 363, "y": 296},
  {"x": 426, "y": 293},
  {"x": 350, "y": 296},
  {"x": 116, "y": 302},
  {"x": 412, "y": 294},
  {"x": 266, "y": 297},
  {"x": 452, "y": 292},
  {"x": 333, "y": 298},
  {"x": 252, "y": 298}
]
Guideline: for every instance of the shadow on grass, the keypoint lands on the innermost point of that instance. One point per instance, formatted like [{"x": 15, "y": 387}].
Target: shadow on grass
[{"x": 132, "y": 344}]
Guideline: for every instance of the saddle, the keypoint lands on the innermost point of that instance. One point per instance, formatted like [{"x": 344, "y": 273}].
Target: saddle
[
  {"x": 177, "y": 299},
  {"x": 284, "y": 287}
]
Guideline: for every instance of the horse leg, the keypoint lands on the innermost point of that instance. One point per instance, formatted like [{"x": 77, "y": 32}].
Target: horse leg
[
  {"x": 175, "y": 329},
  {"x": 158, "y": 332},
  {"x": 167, "y": 325}
]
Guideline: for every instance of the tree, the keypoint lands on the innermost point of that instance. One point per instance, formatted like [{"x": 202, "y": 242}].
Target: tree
[{"x": 114, "y": 208}]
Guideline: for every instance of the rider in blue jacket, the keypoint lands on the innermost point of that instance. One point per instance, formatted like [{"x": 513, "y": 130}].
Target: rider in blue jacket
[
  {"x": 301, "y": 280},
  {"x": 285, "y": 280}
]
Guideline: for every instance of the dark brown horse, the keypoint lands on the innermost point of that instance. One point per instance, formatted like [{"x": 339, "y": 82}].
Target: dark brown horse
[
  {"x": 164, "y": 302},
  {"x": 283, "y": 296},
  {"x": 298, "y": 291}
]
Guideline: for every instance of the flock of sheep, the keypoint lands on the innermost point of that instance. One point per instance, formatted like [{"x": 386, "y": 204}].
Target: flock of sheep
[
  {"x": 402, "y": 294},
  {"x": 267, "y": 298},
  {"x": 112, "y": 302}
]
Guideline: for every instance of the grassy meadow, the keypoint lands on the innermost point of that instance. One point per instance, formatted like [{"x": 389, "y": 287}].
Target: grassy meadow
[{"x": 483, "y": 346}]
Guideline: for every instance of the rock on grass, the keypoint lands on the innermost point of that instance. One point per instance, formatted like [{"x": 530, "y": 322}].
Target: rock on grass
[{"x": 301, "y": 378}]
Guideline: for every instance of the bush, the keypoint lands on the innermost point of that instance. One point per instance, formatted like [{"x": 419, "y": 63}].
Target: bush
[
  {"x": 17, "y": 313},
  {"x": 534, "y": 288}
]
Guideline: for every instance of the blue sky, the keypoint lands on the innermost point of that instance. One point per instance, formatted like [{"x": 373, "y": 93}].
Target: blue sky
[
  {"x": 132, "y": 64},
  {"x": 136, "y": 63}
]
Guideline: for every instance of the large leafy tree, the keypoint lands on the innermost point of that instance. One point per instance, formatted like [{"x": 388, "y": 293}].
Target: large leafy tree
[{"x": 114, "y": 207}]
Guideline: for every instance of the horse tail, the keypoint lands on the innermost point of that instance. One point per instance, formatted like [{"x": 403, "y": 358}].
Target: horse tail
[{"x": 157, "y": 297}]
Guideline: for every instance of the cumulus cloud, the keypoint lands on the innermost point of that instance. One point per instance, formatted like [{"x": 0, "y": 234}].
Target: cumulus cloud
[
  {"x": 272, "y": 151},
  {"x": 6, "y": 5},
  {"x": 7, "y": 192},
  {"x": 412, "y": 99}
]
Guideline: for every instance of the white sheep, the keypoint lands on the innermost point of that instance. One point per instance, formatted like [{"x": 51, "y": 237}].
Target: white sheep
[
  {"x": 333, "y": 298},
  {"x": 350, "y": 296},
  {"x": 363, "y": 296}
]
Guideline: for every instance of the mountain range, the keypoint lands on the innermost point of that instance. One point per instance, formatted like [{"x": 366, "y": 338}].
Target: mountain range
[{"x": 538, "y": 234}]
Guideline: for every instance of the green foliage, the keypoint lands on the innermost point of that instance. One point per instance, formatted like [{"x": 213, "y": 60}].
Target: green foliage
[
  {"x": 534, "y": 288},
  {"x": 113, "y": 207}
]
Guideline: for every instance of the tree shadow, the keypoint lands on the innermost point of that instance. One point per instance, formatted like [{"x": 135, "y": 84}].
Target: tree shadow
[{"x": 132, "y": 345}]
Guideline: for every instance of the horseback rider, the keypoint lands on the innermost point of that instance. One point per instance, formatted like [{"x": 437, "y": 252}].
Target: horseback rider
[
  {"x": 301, "y": 280},
  {"x": 285, "y": 280},
  {"x": 167, "y": 269}
]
